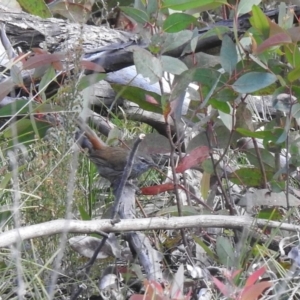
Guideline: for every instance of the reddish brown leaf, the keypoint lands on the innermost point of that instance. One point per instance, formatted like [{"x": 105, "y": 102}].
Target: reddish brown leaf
[
  {"x": 139, "y": 297},
  {"x": 235, "y": 273},
  {"x": 254, "y": 291},
  {"x": 157, "y": 189},
  {"x": 275, "y": 40},
  {"x": 57, "y": 65},
  {"x": 195, "y": 157},
  {"x": 39, "y": 51},
  {"x": 255, "y": 276},
  {"x": 274, "y": 28},
  {"x": 294, "y": 33},
  {"x": 153, "y": 289},
  {"x": 88, "y": 65},
  {"x": 39, "y": 60},
  {"x": 221, "y": 286}
]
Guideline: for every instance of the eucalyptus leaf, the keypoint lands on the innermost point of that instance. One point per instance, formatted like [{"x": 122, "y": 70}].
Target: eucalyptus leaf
[
  {"x": 246, "y": 5},
  {"x": 148, "y": 65},
  {"x": 178, "y": 21},
  {"x": 136, "y": 14},
  {"x": 228, "y": 55},
  {"x": 253, "y": 81},
  {"x": 147, "y": 100},
  {"x": 202, "y": 5},
  {"x": 173, "y": 65},
  {"x": 174, "y": 40}
]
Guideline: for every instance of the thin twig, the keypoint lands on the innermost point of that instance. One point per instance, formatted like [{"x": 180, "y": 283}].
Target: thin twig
[
  {"x": 178, "y": 201},
  {"x": 228, "y": 203},
  {"x": 261, "y": 165},
  {"x": 124, "y": 178}
]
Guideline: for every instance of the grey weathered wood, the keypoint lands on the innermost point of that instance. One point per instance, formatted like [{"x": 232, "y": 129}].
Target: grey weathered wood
[{"x": 57, "y": 34}]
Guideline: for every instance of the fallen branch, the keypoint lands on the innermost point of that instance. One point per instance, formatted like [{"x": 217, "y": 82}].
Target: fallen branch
[{"x": 74, "y": 226}]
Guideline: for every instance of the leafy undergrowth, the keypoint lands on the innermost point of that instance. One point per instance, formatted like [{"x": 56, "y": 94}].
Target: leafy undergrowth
[{"x": 217, "y": 156}]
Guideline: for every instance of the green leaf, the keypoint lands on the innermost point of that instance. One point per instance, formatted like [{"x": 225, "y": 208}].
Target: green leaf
[
  {"x": 250, "y": 177},
  {"x": 140, "y": 97},
  {"x": 292, "y": 54},
  {"x": 202, "y": 244},
  {"x": 178, "y": 21},
  {"x": 190, "y": 4},
  {"x": 266, "y": 157},
  {"x": 256, "y": 134},
  {"x": 136, "y": 14},
  {"x": 212, "y": 90},
  {"x": 46, "y": 80},
  {"x": 5, "y": 216},
  {"x": 152, "y": 7},
  {"x": 260, "y": 21},
  {"x": 207, "y": 77},
  {"x": 89, "y": 80},
  {"x": 270, "y": 141},
  {"x": 295, "y": 112},
  {"x": 5, "y": 180},
  {"x": 228, "y": 55},
  {"x": 225, "y": 252},
  {"x": 170, "y": 41},
  {"x": 219, "y": 105},
  {"x": 147, "y": 65},
  {"x": 226, "y": 94},
  {"x": 253, "y": 81},
  {"x": 271, "y": 213},
  {"x": 22, "y": 107},
  {"x": 36, "y": 7},
  {"x": 205, "y": 185},
  {"x": 294, "y": 74},
  {"x": 246, "y": 5},
  {"x": 83, "y": 213},
  {"x": 173, "y": 65},
  {"x": 25, "y": 131}
]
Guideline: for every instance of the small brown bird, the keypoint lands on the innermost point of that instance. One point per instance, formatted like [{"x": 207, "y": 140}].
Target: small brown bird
[{"x": 111, "y": 161}]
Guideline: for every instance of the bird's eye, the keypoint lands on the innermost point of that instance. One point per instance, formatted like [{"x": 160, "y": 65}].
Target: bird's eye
[{"x": 144, "y": 160}]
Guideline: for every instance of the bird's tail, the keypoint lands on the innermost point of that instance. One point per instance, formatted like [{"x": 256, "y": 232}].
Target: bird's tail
[{"x": 87, "y": 138}]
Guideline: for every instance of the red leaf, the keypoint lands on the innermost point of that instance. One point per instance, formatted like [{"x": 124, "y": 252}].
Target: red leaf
[
  {"x": 254, "y": 291},
  {"x": 235, "y": 273},
  {"x": 39, "y": 51},
  {"x": 88, "y": 65},
  {"x": 255, "y": 276},
  {"x": 221, "y": 286},
  {"x": 140, "y": 297},
  {"x": 157, "y": 189},
  {"x": 195, "y": 157},
  {"x": 153, "y": 289},
  {"x": 39, "y": 60},
  {"x": 275, "y": 40}
]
